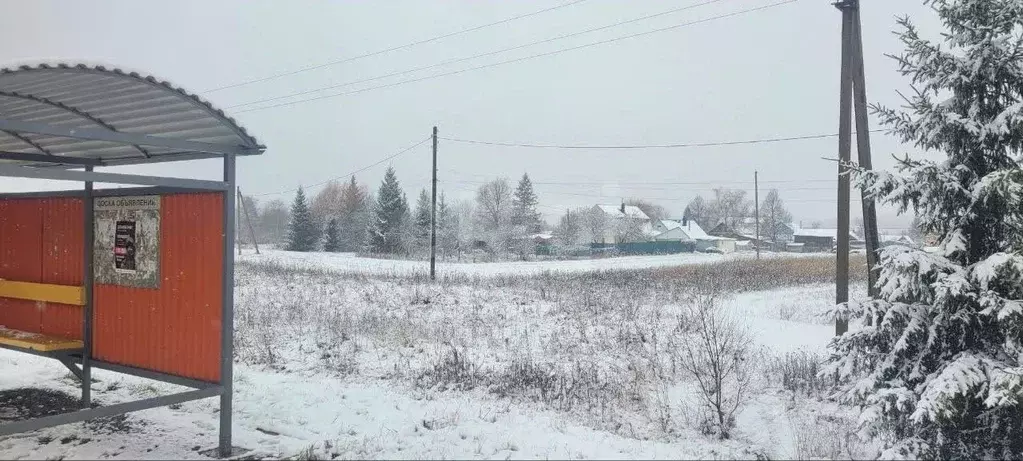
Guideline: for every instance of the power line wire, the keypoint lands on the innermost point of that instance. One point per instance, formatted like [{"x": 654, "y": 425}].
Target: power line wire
[
  {"x": 687, "y": 189},
  {"x": 649, "y": 146},
  {"x": 396, "y": 48},
  {"x": 481, "y": 55},
  {"x": 360, "y": 170},
  {"x": 654, "y": 198},
  {"x": 510, "y": 61},
  {"x": 623, "y": 183}
]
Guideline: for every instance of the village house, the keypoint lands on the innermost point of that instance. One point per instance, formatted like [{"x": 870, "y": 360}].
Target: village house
[
  {"x": 891, "y": 239},
  {"x": 689, "y": 231},
  {"x": 624, "y": 224},
  {"x": 822, "y": 240},
  {"x": 745, "y": 232}
]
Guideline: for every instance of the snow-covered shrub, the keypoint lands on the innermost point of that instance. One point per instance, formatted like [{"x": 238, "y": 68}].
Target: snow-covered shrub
[
  {"x": 715, "y": 353},
  {"x": 936, "y": 364}
]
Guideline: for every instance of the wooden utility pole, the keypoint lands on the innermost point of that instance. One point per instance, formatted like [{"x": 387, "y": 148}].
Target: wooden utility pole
[
  {"x": 248, "y": 219},
  {"x": 756, "y": 212},
  {"x": 433, "y": 214},
  {"x": 870, "y": 236},
  {"x": 844, "y": 156}
]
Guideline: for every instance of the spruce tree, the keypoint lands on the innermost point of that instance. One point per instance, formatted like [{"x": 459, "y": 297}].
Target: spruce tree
[
  {"x": 392, "y": 216},
  {"x": 524, "y": 203},
  {"x": 423, "y": 220},
  {"x": 303, "y": 233},
  {"x": 332, "y": 241},
  {"x": 447, "y": 225},
  {"x": 355, "y": 216},
  {"x": 936, "y": 361}
]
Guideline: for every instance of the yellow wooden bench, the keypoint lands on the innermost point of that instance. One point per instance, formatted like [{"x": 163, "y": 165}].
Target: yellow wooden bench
[
  {"x": 44, "y": 292},
  {"x": 37, "y": 342},
  {"x": 40, "y": 292}
]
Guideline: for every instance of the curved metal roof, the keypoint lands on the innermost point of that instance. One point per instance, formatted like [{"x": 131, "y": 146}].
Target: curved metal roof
[{"x": 81, "y": 115}]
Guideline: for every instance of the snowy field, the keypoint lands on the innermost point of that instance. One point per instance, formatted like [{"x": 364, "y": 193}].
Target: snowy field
[
  {"x": 579, "y": 365},
  {"x": 350, "y": 262}
]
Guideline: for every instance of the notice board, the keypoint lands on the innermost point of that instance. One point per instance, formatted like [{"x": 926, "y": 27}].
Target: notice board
[{"x": 127, "y": 241}]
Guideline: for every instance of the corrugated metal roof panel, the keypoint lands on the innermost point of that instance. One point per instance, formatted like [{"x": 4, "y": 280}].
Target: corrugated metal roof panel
[{"x": 83, "y": 96}]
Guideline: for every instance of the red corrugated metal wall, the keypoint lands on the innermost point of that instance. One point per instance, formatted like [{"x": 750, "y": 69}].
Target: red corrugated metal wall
[
  {"x": 21, "y": 231},
  {"x": 174, "y": 329}
]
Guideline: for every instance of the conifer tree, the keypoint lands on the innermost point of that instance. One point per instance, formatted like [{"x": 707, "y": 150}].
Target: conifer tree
[
  {"x": 447, "y": 226},
  {"x": 423, "y": 220},
  {"x": 303, "y": 233},
  {"x": 332, "y": 241},
  {"x": 524, "y": 201},
  {"x": 387, "y": 234},
  {"x": 936, "y": 361}
]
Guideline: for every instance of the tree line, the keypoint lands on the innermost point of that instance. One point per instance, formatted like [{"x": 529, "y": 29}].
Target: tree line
[{"x": 347, "y": 217}]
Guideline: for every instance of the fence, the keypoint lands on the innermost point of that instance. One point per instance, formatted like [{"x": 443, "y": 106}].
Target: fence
[{"x": 645, "y": 248}]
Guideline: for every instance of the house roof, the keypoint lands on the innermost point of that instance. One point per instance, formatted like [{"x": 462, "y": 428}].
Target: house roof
[
  {"x": 896, "y": 238},
  {"x": 688, "y": 231},
  {"x": 670, "y": 224},
  {"x": 72, "y": 115},
  {"x": 694, "y": 231},
  {"x": 631, "y": 211}
]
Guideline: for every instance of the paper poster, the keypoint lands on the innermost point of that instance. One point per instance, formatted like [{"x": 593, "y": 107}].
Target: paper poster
[
  {"x": 127, "y": 241},
  {"x": 124, "y": 247}
]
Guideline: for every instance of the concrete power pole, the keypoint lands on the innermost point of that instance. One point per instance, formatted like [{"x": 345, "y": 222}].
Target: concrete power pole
[
  {"x": 433, "y": 214},
  {"x": 844, "y": 156}
]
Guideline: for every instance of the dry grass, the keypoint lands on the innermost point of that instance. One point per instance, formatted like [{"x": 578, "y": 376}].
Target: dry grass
[{"x": 591, "y": 343}]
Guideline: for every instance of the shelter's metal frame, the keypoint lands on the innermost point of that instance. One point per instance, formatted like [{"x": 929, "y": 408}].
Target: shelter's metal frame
[{"x": 67, "y": 150}]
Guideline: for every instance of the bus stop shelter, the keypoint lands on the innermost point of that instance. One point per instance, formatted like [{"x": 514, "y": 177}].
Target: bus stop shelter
[{"x": 135, "y": 280}]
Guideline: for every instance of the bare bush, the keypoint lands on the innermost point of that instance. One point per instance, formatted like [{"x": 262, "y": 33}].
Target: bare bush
[
  {"x": 800, "y": 372},
  {"x": 827, "y": 437},
  {"x": 454, "y": 370},
  {"x": 714, "y": 354}
]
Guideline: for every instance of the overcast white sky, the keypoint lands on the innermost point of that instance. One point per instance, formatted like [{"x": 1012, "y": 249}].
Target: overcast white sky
[{"x": 770, "y": 73}]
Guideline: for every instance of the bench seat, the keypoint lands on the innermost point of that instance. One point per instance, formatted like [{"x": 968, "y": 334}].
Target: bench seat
[
  {"x": 43, "y": 292},
  {"x": 37, "y": 342}
]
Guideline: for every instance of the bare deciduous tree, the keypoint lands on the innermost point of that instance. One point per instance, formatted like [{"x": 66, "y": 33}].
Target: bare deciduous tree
[
  {"x": 327, "y": 203},
  {"x": 493, "y": 211},
  {"x": 728, "y": 205},
  {"x": 596, "y": 224},
  {"x": 272, "y": 223},
  {"x": 773, "y": 217},
  {"x": 714, "y": 353},
  {"x": 698, "y": 210}
]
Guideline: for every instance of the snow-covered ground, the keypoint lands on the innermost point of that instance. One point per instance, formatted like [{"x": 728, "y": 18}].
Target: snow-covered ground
[
  {"x": 332, "y": 366},
  {"x": 351, "y": 262}
]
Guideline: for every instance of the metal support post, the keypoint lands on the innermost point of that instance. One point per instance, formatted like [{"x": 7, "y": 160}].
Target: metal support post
[
  {"x": 88, "y": 275},
  {"x": 227, "y": 312}
]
